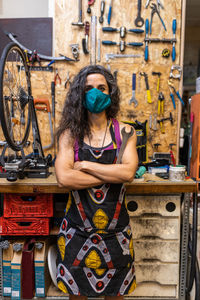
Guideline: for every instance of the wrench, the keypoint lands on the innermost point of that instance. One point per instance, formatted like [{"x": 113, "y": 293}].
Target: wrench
[
  {"x": 125, "y": 137},
  {"x": 133, "y": 99},
  {"x": 139, "y": 21}
]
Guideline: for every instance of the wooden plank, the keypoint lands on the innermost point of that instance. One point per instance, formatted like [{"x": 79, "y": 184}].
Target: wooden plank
[{"x": 50, "y": 185}]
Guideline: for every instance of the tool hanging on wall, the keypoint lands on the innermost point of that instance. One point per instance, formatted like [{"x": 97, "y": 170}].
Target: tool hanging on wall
[
  {"x": 110, "y": 11},
  {"x": 157, "y": 40},
  {"x": 80, "y": 15},
  {"x": 113, "y": 56},
  {"x": 170, "y": 118},
  {"x": 174, "y": 92},
  {"x": 43, "y": 105},
  {"x": 57, "y": 78},
  {"x": 133, "y": 99},
  {"x": 161, "y": 99},
  {"x": 122, "y": 30},
  {"x": 159, "y": 4},
  {"x": 176, "y": 72},
  {"x": 122, "y": 44},
  {"x": 139, "y": 21},
  {"x": 147, "y": 86},
  {"x": 174, "y": 37},
  {"x": 99, "y": 50},
  {"x": 90, "y": 2},
  {"x": 172, "y": 154},
  {"x": 75, "y": 51},
  {"x": 166, "y": 53},
  {"x": 153, "y": 12},
  {"x": 102, "y": 9},
  {"x": 93, "y": 40},
  {"x": 158, "y": 82},
  {"x": 67, "y": 82},
  {"x": 85, "y": 41}
]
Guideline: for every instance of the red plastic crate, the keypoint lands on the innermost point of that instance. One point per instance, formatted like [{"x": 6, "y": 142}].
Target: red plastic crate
[
  {"x": 24, "y": 226},
  {"x": 28, "y": 205}
]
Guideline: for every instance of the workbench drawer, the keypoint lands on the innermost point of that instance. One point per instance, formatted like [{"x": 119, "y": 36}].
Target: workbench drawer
[
  {"x": 166, "y": 206},
  {"x": 154, "y": 289},
  {"x": 162, "y": 273},
  {"x": 157, "y": 250},
  {"x": 157, "y": 228}
]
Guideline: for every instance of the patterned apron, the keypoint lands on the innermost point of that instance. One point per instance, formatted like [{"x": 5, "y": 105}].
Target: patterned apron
[{"x": 95, "y": 246}]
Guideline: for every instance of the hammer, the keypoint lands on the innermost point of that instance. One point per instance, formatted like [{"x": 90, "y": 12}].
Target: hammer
[
  {"x": 158, "y": 82},
  {"x": 80, "y": 22},
  {"x": 165, "y": 119}
]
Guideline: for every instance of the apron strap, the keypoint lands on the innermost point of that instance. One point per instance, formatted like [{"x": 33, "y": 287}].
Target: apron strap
[
  {"x": 76, "y": 148},
  {"x": 117, "y": 138}
]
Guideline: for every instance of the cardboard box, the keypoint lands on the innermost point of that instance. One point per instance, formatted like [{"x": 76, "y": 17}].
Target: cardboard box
[
  {"x": 42, "y": 276},
  {"x": 7, "y": 257},
  {"x": 16, "y": 271}
]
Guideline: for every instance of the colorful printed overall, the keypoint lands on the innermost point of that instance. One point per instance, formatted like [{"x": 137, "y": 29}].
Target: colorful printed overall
[{"x": 95, "y": 246}]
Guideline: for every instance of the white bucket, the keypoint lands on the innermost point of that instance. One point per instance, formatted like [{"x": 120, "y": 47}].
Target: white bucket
[{"x": 177, "y": 173}]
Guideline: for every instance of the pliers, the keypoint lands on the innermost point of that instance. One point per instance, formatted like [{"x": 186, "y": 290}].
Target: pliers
[
  {"x": 172, "y": 92},
  {"x": 155, "y": 10},
  {"x": 57, "y": 77},
  {"x": 67, "y": 81}
]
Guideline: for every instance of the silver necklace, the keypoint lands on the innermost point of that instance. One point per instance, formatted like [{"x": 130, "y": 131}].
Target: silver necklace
[{"x": 100, "y": 151}]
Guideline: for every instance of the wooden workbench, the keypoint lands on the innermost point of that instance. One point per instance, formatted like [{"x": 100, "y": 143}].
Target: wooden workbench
[{"x": 150, "y": 185}]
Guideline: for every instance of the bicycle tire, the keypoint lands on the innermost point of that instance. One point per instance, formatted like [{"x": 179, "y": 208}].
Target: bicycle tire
[{"x": 15, "y": 92}]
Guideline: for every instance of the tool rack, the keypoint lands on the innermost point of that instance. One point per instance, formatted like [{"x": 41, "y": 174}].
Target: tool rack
[{"x": 152, "y": 186}]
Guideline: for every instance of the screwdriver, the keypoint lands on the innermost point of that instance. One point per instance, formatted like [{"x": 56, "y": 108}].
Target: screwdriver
[{"x": 110, "y": 11}]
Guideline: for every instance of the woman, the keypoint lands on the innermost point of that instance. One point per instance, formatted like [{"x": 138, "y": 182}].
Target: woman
[{"x": 95, "y": 248}]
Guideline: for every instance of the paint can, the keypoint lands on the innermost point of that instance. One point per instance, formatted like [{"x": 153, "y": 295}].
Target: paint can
[{"x": 177, "y": 173}]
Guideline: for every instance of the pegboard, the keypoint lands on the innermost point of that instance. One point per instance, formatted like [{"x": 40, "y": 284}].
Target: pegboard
[{"x": 124, "y": 13}]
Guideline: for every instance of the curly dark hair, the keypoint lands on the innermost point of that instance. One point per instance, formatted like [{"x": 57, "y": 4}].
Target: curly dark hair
[{"x": 74, "y": 114}]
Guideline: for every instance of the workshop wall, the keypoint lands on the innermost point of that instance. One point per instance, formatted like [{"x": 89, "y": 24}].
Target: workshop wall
[{"x": 123, "y": 14}]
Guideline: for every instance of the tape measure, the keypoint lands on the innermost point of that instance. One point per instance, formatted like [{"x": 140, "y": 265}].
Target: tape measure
[{"x": 165, "y": 53}]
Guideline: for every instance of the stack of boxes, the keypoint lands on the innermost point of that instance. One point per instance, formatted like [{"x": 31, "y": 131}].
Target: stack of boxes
[{"x": 25, "y": 215}]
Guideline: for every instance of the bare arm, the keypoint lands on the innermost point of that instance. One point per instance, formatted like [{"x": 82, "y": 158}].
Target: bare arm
[
  {"x": 64, "y": 166},
  {"x": 115, "y": 173}
]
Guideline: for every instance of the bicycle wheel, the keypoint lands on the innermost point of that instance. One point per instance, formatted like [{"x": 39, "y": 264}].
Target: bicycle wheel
[{"x": 15, "y": 92}]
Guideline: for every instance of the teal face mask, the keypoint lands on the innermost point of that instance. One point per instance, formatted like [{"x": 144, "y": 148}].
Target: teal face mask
[{"x": 96, "y": 101}]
